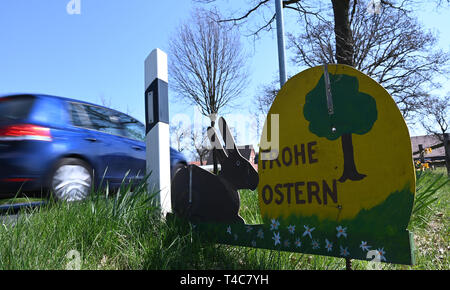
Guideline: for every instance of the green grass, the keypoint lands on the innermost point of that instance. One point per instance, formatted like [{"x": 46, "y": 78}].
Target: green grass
[{"x": 125, "y": 232}]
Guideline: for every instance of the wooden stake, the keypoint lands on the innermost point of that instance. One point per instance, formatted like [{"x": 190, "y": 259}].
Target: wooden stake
[{"x": 348, "y": 264}]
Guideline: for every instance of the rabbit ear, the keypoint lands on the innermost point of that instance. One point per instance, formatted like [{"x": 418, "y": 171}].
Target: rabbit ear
[
  {"x": 226, "y": 135},
  {"x": 215, "y": 142}
]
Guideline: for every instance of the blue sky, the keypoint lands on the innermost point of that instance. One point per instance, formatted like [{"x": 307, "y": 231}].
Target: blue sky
[
  {"x": 100, "y": 53},
  {"x": 97, "y": 54}
]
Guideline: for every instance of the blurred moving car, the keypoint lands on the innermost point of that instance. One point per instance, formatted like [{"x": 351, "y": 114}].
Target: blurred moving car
[{"x": 66, "y": 146}]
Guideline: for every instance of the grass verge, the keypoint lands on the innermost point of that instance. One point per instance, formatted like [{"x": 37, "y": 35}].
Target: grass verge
[{"x": 125, "y": 232}]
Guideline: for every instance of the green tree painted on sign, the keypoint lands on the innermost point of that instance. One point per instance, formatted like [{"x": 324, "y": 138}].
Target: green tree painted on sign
[{"x": 354, "y": 113}]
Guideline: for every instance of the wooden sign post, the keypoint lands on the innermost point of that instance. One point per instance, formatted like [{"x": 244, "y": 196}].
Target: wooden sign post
[{"x": 341, "y": 182}]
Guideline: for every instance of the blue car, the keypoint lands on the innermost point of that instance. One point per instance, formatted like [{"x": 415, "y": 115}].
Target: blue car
[{"x": 66, "y": 147}]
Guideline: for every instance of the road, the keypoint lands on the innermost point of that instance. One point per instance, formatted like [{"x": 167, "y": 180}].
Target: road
[
  {"x": 9, "y": 213},
  {"x": 8, "y": 220}
]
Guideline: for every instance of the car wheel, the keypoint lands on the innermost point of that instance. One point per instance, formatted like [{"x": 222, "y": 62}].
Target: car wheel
[{"x": 71, "y": 180}]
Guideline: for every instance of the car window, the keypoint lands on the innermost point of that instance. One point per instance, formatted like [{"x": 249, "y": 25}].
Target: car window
[
  {"x": 133, "y": 128},
  {"x": 104, "y": 120},
  {"x": 15, "y": 108},
  {"x": 79, "y": 116},
  {"x": 97, "y": 118}
]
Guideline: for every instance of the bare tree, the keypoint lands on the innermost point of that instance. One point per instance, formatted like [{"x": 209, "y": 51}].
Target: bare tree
[
  {"x": 200, "y": 144},
  {"x": 389, "y": 45},
  {"x": 436, "y": 117},
  {"x": 262, "y": 12},
  {"x": 178, "y": 135},
  {"x": 378, "y": 37},
  {"x": 207, "y": 64},
  {"x": 105, "y": 101},
  {"x": 266, "y": 11},
  {"x": 266, "y": 95}
]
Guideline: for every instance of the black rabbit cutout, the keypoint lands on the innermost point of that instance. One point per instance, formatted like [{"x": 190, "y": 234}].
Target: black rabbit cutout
[{"x": 201, "y": 196}]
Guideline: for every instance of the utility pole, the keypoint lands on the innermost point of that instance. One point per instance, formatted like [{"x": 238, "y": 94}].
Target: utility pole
[{"x": 281, "y": 42}]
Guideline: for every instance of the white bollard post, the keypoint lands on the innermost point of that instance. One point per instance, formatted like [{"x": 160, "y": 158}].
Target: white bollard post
[{"x": 157, "y": 128}]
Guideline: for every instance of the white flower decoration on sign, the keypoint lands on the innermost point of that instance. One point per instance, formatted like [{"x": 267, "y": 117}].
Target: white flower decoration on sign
[
  {"x": 328, "y": 245},
  {"x": 260, "y": 234},
  {"x": 364, "y": 246},
  {"x": 344, "y": 251},
  {"x": 341, "y": 231},
  {"x": 315, "y": 245},
  {"x": 381, "y": 252},
  {"x": 291, "y": 229},
  {"x": 276, "y": 238},
  {"x": 308, "y": 231},
  {"x": 274, "y": 224}
]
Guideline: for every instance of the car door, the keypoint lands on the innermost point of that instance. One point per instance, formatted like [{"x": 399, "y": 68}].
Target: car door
[
  {"x": 135, "y": 140},
  {"x": 81, "y": 139},
  {"x": 113, "y": 150}
]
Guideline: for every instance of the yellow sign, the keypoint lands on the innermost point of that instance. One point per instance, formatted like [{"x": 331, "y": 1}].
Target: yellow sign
[
  {"x": 336, "y": 162},
  {"x": 336, "y": 175},
  {"x": 334, "y": 165}
]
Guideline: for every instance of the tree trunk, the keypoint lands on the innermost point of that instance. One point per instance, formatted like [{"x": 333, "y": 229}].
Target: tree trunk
[
  {"x": 343, "y": 32},
  {"x": 350, "y": 171},
  {"x": 344, "y": 55}
]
